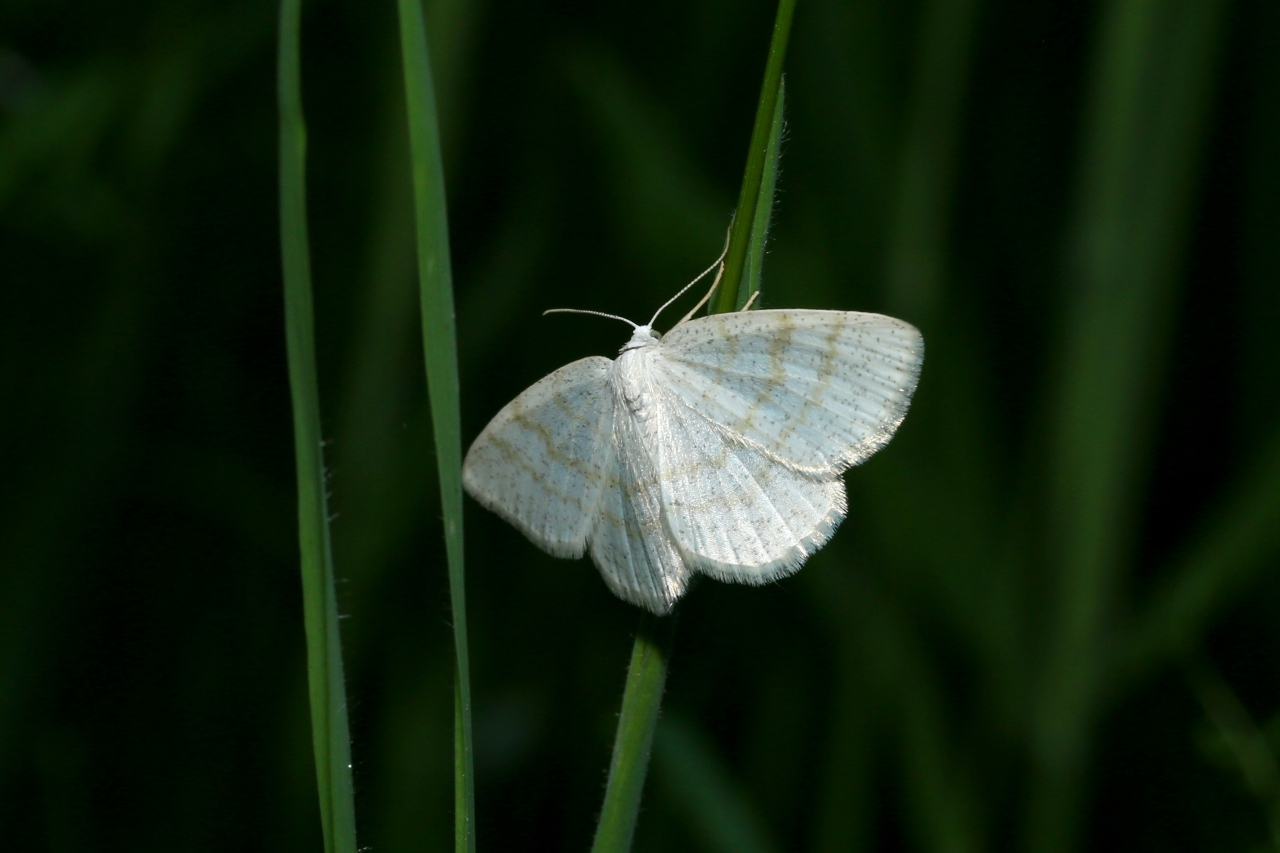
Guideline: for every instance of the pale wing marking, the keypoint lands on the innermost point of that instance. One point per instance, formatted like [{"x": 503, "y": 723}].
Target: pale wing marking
[
  {"x": 734, "y": 512},
  {"x": 629, "y": 542},
  {"x": 821, "y": 390},
  {"x": 541, "y": 461}
]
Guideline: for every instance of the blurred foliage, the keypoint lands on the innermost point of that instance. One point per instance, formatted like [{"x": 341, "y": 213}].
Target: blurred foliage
[{"x": 1048, "y": 623}]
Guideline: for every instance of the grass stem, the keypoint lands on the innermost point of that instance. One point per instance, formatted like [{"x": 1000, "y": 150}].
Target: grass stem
[
  {"x": 330, "y": 736},
  {"x": 440, "y": 349}
]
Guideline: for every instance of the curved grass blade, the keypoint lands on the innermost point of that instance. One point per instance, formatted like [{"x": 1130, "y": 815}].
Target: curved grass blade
[
  {"x": 1245, "y": 742},
  {"x": 768, "y": 114},
  {"x": 330, "y": 737},
  {"x": 440, "y": 349},
  {"x": 1236, "y": 544},
  {"x": 647, "y": 674}
]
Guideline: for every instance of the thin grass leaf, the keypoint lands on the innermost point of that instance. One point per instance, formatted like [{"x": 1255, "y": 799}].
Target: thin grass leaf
[
  {"x": 939, "y": 780},
  {"x": 1236, "y": 543},
  {"x": 1244, "y": 741},
  {"x": 768, "y": 112},
  {"x": 946, "y": 479},
  {"x": 752, "y": 282},
  {"x": 647, "y": 674},
  {"x": 960, "y": 460},
  {"x": 641, "y": 703},
  {"x": 1154, "y": 73},
  {"x": 439, "y": 344},
  {"x": 916, "y": 269},
  {"x": 330, "y": 736},
  {"x": 641, "y": 698}
]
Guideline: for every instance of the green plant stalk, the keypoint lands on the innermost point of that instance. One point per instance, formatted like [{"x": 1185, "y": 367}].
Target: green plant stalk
[
  {"x": 768, "y": 114},
  {"x": 330, "y": 736},
  {"x": 641, "y": 703},
  {"x": 647, "y": 674},
  {"x": 752, "y": 282},
  {"x": 440, "y": 349}
]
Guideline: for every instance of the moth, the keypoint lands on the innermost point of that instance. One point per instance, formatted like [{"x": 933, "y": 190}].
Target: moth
[{"x": 717, "y": 448}]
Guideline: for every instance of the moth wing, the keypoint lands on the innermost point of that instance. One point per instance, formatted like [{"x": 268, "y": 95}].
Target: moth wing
[
  {"x": 822, "y": 390},
  {"x": 630, "y": 543},
  {"x": 737, "y": 513},
  {"x": 542, "y": 462}
]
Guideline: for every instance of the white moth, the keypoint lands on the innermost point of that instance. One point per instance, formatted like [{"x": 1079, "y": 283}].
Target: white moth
[{"x": 716, "y": 448}]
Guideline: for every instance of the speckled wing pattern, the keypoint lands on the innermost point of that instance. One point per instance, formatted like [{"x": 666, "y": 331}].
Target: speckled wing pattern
[
  {"x": 543, "y": 460},
  {"x": 630, "y": 542},
  {"x": 736, "y": 473},
  {"x": 819, "y": 390},
  {"x": 736, "y": 513}
]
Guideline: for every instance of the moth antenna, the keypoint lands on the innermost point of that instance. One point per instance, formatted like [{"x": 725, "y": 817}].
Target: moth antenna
[
  {"x": 747, "y": 307},
  {"x": 701, "y": 276},
  {"x": 585, "y": 311},
  {"x": 705, "y": 298}
]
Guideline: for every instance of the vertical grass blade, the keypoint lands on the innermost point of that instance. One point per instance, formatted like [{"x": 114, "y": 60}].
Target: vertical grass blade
[
  {"x": 768, "y": 114},
  {"x": 641, "y": 702},
  {"x": 440, "y": 349},
  {"x": 752, "y": 281},
  {"x": 324, "y": 650},
  {"x": 1151, "y": 89},
  {"x": 916, "y": 263},
  {"x": 647, "y": 674}
]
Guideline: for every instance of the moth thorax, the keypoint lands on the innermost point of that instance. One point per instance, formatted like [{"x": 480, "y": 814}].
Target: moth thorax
[{"x": 633, "y": 380}]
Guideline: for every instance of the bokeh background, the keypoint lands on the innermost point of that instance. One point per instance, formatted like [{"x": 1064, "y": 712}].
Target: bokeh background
[{"x": 1049, "y": 622}]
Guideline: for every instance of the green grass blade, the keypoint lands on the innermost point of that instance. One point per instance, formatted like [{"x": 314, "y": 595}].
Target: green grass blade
[
  {"x": 938, "y": 780},
  {"x": 1236, "y": 545},
  {"x": 330, "y": 735},
  {"x": 642, "y": 697},
  {"x": 641, "y": 702},
  {"x": 768, "y": 113},
  {"x": 917, "y": 253},
  {"x": 753, "y": 280},
  {"x": 1152, "y": 81},
  {"x": 439, "y": 344},
  {"x": 1244, "y": 741}
]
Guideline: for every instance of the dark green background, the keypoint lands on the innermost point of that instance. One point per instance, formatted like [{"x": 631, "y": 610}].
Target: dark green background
[{"x": 1092, "y": 255}]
